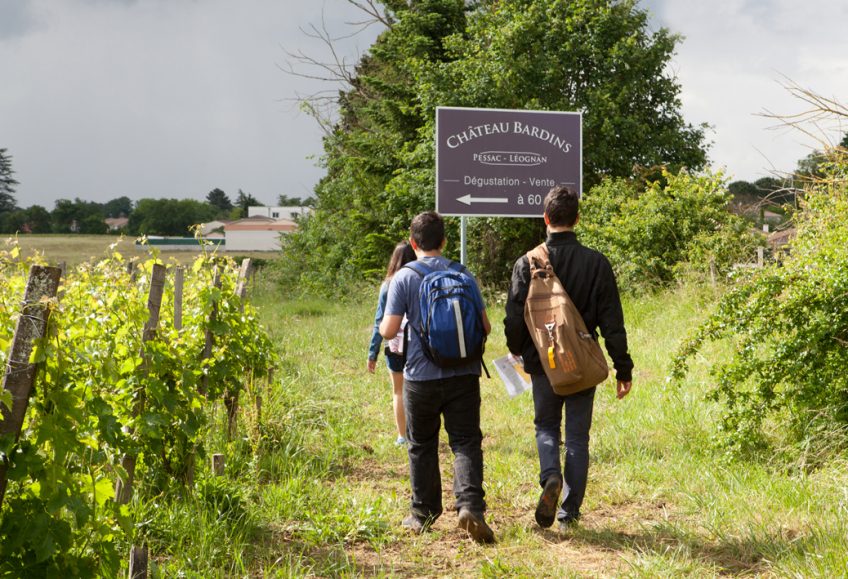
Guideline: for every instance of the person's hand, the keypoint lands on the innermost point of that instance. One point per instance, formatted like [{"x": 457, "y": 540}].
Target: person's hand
[
  {"x": 623, "y": 388},
  {"x": 372, "y": 365}
]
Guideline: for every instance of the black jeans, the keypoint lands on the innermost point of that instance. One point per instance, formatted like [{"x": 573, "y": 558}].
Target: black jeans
[
  {"x": 425, "y": 402},
  {"x": 578, "y": 420}
]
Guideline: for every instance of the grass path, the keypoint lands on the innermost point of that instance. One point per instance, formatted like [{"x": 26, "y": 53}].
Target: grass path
[{"x": 662, "y": 500}]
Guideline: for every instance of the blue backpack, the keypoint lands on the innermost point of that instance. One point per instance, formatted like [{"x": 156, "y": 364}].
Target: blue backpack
[{"x": 451, "y": 329}]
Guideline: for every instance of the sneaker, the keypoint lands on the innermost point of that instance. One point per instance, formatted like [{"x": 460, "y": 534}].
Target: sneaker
[
  {"x": 568, "y": 521},
  {"x": 414, "y": 524},
  {"x": 548, "y": 502},
  {"x": 401, "y": 441},
  {"x": 476, "y": 526}
]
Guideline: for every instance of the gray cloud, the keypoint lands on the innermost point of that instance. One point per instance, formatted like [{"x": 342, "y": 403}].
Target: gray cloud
[
  {"x": 15, "y": 19},
  {"x": 157, "y": 98}
]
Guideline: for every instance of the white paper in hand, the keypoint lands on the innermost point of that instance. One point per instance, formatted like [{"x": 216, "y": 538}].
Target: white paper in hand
[{"x": 511, "y": 371}]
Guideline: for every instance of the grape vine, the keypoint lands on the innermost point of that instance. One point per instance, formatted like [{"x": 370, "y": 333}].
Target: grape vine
[{"x": 101, "y": 394}]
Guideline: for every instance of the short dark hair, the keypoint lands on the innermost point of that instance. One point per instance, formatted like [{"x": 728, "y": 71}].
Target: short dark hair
[
  {"x": 561, "y": 206},
  {"x": 427, "y": 230}
]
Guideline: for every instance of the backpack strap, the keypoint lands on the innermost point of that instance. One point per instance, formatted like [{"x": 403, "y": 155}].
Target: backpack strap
[
  {"x": 418, "y": 267},
  {"x": 539, "y": 259},
  {"x": 457, "y": 267},
  {"x": 422, "y": 269}
]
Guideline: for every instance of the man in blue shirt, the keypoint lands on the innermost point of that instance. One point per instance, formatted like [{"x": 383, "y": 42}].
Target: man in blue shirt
[{"x": 431, "y": 392}]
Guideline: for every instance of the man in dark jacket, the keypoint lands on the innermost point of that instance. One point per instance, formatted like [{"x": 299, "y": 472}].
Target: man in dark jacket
[{"x": 589, "y": 280}]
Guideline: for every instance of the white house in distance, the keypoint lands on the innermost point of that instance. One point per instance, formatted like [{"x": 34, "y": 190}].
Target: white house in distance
[
  {"x": 256, "y": 233},
  {"x": 278, "y": 212}
]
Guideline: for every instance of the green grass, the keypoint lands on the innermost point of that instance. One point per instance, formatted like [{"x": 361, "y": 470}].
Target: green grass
[
  {"x": 662, "y": 500},
  {"x": 76, "y": 248},
  {"x": 317, "y": 487}
]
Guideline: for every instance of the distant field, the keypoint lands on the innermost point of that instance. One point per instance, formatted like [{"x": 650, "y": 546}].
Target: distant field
[{"x": 73, "y": 249}]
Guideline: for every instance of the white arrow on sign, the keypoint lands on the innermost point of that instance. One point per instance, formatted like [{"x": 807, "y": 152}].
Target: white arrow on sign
[{"x": 468, "y": 199}]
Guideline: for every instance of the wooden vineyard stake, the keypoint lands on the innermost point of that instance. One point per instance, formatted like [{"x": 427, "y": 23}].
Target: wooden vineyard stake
[
  {"x": 210, "y": 339},
  {"x": 123, "y": 488},
  {"x": 218, "y": 464},
  {"x": 231, "y": 400},
  {"x": 241, "y": 285},
  {"x": 19, "y": 377},
  {"x": 179, "y": 282},
  {"x": 138, "y": 562}
]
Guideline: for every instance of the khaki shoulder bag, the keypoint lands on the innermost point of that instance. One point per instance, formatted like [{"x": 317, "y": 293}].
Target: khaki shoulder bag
[{"x": 572, "y": 358}]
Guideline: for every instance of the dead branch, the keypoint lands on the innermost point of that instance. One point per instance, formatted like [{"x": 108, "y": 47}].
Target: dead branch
[
  {"x": 370, "y": 8},
  {"x": 812, "y": 121},
  {"x": 336, "y": 70}
]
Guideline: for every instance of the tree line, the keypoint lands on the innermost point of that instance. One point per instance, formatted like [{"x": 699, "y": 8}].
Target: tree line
[{"x": 146, "y": 216}]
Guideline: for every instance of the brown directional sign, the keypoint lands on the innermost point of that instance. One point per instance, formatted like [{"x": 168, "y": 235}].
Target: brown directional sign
[{"x": 501, "y": 163}]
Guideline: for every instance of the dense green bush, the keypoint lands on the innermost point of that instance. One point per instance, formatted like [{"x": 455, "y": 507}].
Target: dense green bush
[
  {"x": 676, "y": 226},
  {"x": 789, "y": 327}
]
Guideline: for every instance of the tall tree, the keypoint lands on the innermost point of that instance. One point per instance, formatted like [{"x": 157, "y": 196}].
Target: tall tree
[
  {"x": 38, "y": 219},
  {"x": 286, "y": 201},
  {"x": 809, "y": 168},
  {"x": 118, "y": 207},
  {"x": 245, "y": 200},
  {"x": 357, "y": 221},
  {"x": 169, "y": 216},
  {"x": 595, "y": 56},
  {"x": 78, "y": 216},
  {"x": 217, "y": 198},
  {"x": 7, "y": 183}
]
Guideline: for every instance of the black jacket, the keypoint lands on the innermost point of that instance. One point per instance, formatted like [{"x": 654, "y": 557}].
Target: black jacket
[{"x": 589, "y": 280}]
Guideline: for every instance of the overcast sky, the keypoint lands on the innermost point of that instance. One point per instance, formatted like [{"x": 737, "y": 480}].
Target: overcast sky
[{"x": 172, "y": 98}]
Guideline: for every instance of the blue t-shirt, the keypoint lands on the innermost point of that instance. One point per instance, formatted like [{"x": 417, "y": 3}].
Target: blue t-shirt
[{"x": 403, "y": 299}]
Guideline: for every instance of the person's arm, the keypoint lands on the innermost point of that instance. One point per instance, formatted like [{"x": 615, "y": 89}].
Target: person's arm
[
  {"x": 515, "y": 329},
  {"x": 390, "y": 326},
  {"x": 395, "y": 307},
  {"x": 611, "y": 324},
  {"x": 376, "y": 338}
]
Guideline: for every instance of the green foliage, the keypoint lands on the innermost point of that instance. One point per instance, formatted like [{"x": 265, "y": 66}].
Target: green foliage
[
  {"x": 103, "y": 394},
  {"x": 789, "y": 327},
  {"x": 118, "y": 207},
  {"x": 78, "y": 216},
  {"x": 286, "y": 201},
  {"x": 675, "y": 227},
  {"x": 776, "y": 191},
  {"x": 594, "y": 56},
  {"x": 597, "y": 56},
  {"x": 359, "y": 216},
  {"x": 217, "y": 198},
  {"x": 243, "y": 201},
  {"x": 169, "y": 216},
  {"x": 808, "y": 168}
]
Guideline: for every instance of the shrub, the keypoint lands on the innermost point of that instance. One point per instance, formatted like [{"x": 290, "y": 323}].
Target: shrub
[
  {"x": 677, "y": 225},
  {"x": 789, "y": 327}
]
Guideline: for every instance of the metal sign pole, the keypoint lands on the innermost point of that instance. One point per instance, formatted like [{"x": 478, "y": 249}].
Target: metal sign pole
[{"x": 462, "y": 245}]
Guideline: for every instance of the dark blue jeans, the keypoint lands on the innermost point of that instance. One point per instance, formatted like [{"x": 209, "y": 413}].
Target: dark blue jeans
[
  {"x": 425, "y": 402},
  {"x": 578, "y": 420}
]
